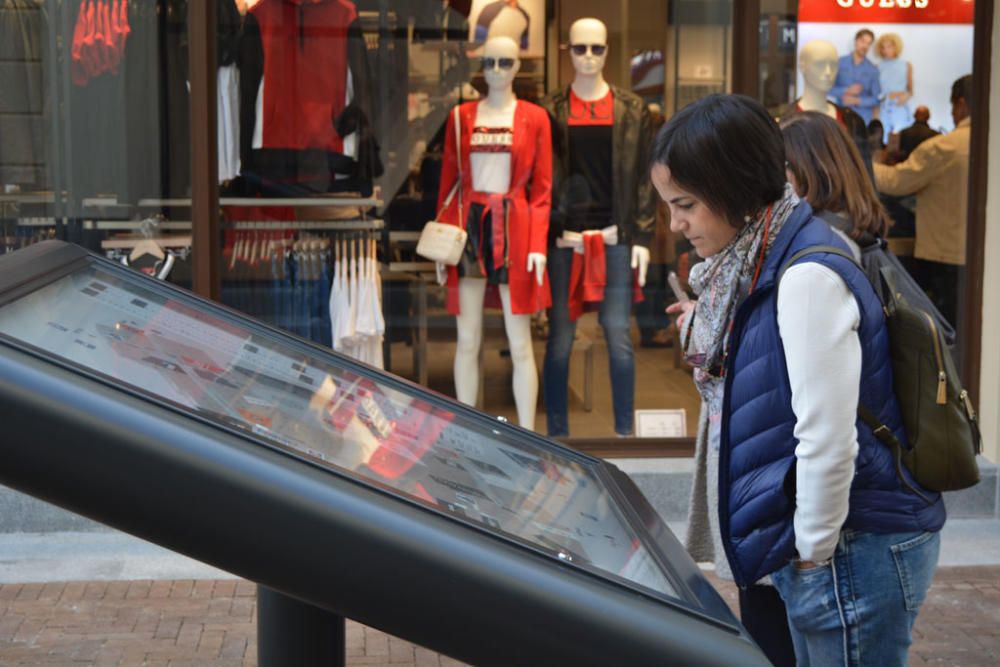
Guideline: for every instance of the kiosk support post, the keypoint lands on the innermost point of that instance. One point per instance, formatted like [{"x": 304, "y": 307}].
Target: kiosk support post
[{"x": 292, "y": 632}]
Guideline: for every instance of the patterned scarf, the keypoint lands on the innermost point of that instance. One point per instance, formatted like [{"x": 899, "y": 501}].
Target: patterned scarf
[{"x": 720, "y": 282}]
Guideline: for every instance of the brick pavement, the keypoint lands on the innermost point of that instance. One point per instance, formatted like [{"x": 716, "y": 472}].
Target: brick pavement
[{"x": 212, "y": 624}]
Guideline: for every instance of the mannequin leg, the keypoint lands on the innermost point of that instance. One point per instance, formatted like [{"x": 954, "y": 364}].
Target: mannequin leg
[
  {"x": 614, "y": 316},
  {"x": 471, "y": 292},
  {"x": 555, "y": 369},
  {"x": 518, "y": 328}
]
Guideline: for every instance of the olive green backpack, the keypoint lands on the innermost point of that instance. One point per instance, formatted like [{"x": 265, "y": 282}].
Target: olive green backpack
[{"x": 938, "y": 416}]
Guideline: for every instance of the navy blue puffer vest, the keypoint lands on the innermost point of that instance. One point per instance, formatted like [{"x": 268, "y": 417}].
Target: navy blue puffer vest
[{"x": 757, "y": 455}]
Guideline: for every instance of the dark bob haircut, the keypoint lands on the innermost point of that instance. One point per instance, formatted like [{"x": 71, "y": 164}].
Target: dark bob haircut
[{"x": 727, "y": 151}]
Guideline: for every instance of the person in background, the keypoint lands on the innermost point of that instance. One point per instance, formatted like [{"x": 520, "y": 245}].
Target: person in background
[
  {"x": 857, "y": 86},
  {"x": 808, "y": 498},
  {"x": 937, "y": 172},
  {"x": 896, "y": 82},
  {"x": 915, "y": 134},
  {"x": 876, "y": 133},
  {"x": 826, "y": 170}
]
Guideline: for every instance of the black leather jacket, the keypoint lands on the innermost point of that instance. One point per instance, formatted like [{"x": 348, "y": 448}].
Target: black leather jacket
[{"x": 634, "y": 199}]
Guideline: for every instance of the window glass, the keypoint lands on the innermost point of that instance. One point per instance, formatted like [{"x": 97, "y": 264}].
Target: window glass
[
  {"x": 898, "y": 67},
  {"x": 331, "y": 157},
  {"x": 95, "y": 122}
]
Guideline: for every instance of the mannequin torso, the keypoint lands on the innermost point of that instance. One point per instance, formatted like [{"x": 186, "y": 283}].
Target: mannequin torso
[{"x": 490, "y": 148}]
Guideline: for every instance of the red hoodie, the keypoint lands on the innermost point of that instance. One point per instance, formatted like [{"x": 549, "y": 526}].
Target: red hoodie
[{"x": 305, "y": 71}]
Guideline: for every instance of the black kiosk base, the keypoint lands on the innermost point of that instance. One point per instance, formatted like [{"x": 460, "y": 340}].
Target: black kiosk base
[{"x": 292, "y": 632}]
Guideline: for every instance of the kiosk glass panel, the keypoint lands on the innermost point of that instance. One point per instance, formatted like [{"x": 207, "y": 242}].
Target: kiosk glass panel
[{"x": 312, "y": 403}]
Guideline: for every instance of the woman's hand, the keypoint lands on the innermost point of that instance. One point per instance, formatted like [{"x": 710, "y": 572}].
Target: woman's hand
[{"x": 683, "y": 310}]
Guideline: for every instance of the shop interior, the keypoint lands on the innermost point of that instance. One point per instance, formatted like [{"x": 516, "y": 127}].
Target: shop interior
[{"x": 98, "y": 141}]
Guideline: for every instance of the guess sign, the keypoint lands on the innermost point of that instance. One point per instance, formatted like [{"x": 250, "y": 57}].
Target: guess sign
[
  {"x": 887, "y": 4},
  {"x": 886, "y": 11}
]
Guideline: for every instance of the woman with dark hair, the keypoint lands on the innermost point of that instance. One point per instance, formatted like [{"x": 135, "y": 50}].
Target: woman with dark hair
[
  {"x": 808, "y": 498},
  {"x": 825, "y": 168}
]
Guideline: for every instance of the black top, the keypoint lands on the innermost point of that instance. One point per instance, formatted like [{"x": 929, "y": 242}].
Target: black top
[{"x": 590, "y": 190}]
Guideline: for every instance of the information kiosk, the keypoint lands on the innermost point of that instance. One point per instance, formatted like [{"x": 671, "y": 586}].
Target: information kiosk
[{"x": 339, "y": 488}]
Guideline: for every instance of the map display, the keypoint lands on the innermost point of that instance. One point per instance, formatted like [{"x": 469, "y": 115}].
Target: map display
[{"x": 303, "y": 401}]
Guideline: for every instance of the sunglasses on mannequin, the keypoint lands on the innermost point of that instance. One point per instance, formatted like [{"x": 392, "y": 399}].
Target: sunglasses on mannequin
[
  {"x": 503, "y": 63},
  {"x": 581, "y": 49}
]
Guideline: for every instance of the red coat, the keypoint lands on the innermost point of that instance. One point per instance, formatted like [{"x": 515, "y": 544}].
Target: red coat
[{"x": 530, "y": 200}]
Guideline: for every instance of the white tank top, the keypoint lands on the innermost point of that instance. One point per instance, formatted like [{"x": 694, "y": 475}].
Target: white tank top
[{"x": 490, "y": 150}]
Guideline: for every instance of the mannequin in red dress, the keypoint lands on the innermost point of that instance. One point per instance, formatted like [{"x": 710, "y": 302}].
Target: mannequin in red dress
[{"x": 504, "y": 204}]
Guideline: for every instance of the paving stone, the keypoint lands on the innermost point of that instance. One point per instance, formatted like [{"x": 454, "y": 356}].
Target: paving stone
[{"x": 213, "y": 624}]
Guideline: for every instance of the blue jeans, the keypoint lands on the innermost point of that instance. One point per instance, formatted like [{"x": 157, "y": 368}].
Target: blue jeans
[
  {"x": 614, "y": 316},
  {"x": 860, "y": 608}
]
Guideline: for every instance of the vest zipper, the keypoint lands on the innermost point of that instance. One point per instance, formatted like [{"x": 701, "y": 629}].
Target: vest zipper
[{"x": 942, "y": 390}]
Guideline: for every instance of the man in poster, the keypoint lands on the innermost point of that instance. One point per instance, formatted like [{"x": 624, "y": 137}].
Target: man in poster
[{"x": 857, "y": 85}]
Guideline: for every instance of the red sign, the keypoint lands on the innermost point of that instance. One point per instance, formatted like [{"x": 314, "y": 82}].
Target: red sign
[{"x": 886, "y": 11}]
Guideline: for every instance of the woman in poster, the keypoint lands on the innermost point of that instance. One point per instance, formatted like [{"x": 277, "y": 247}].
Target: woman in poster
[{"x": 896, "y": 80}]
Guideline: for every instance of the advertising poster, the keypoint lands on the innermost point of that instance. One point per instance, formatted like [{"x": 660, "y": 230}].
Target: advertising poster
[
  {"x": 936, "y": 36},
  {"x": 521, "y": 20}
]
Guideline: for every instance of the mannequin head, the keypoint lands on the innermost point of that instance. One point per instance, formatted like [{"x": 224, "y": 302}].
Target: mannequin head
[
  {"x": 500, "y": 62},
  {"x": 818, "y": 63},
  {"x": 588, "y": 33}
]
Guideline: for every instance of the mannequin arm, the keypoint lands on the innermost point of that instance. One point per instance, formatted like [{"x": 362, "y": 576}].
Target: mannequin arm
[
  {"x": 640, "y": 260},
  {"x": 540, "y": 201},
  {"x": 441, "y": 272},
  {"x": 536, "y": 265}
]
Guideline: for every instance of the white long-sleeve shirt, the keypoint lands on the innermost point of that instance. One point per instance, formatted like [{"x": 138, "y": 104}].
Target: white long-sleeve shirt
[{"x": 818, "y": 318}]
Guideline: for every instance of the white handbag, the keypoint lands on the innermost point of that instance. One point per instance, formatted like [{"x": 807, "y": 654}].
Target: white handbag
[{"x": 440, "y": 241}]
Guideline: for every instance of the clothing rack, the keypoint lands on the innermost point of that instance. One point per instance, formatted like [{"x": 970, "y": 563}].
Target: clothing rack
[
  {"x": 133, "y": 225},
  {"x": 361, "y": 202},
  {"x": 127, "y": 243},
  {"x": 313, "y": 225},
  {"x": 36, "y": 221}
]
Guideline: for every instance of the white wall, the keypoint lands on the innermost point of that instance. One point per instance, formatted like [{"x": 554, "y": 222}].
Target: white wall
[{"x": 989, "y": 372}]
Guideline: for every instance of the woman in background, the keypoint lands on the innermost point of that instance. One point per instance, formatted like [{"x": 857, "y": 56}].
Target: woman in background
[
  {"x": 826, "y": 170},
  {"x": 896, "y": 79}
]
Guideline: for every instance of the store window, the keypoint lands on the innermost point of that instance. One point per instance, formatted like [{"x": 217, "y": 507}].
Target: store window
[
  {"x": 896, "y": 64},
  {"x": 333, "y": 151},
  {"x": 95, "y": 127}
]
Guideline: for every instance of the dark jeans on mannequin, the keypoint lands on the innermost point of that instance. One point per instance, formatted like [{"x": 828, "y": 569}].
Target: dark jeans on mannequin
[{"x": 614, "y": 317}]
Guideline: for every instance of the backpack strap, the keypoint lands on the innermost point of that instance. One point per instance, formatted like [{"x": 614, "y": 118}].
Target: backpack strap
[
  {"x": 885, "y": 435},
  {"x": 881, "y": 432},
  {"x": 814, "y": 250}
]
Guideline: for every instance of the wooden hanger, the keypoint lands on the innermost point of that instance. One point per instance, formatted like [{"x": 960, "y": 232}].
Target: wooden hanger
[{"x": 146, "y": 247}]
